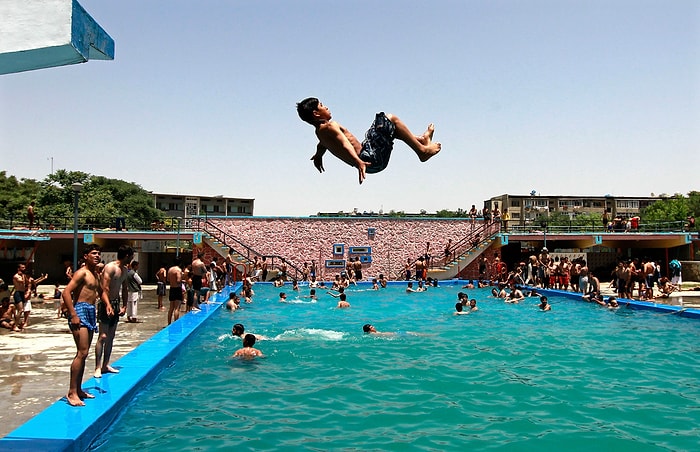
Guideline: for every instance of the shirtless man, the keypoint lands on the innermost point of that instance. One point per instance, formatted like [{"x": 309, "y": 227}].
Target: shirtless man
[
  {"x": 648, "y": 269},
  {"x": 112, "y": 306},
  {"x": 357, "y": 268},
  {"x": 372, "y": 156},
  {"x": 343, "y": 303},
  {"x": 199, "y": 270},
  {"x": 79, "y": 298},
  {"x": 20, "y": 282},
  {"x": 30, "y": 214},
  {"x": 248, "y": 351},
  {"x": 161, "y": 277},
  {"x": 175, "y": 294}
]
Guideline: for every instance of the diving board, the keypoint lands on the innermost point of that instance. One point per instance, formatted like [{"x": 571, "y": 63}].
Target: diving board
[{"x": 49, "y": 33}]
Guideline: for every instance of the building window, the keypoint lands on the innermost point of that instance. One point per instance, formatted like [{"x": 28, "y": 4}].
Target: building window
[
  {"x": 515, "y": 203},
  {"x": 627, "y": 204}
]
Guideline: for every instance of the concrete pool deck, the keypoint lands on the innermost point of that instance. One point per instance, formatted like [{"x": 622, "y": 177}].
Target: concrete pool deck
[
  {"x": 35, "y": 372},
  {"x": 34, "y": 364}
]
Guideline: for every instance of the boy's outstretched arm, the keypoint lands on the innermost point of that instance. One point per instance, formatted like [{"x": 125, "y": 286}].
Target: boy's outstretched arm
[{"x": 318, "y": 157}]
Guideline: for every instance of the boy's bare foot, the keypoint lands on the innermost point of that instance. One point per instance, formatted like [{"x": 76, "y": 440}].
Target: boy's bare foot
[
  {"x": 85, "y": 395},
  {"x": 430, "y": 150},
  {"x": 98, "y": 373},
  {"x": 427, "y": 137},
  {"x": 74, "y": 400},
  {"x": 109, "y": 370}
]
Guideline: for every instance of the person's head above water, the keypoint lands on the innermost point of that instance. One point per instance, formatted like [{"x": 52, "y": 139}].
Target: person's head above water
[
  {"x": 238, "y": 329},
  {"x": 249, "y": 340},
  {"x": 368, "y": 328}
]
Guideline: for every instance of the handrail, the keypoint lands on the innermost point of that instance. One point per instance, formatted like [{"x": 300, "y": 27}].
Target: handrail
[
  {"x": 467, "y": 243},
  {"x": 250, "y": 253},
  {"x": 656, "y": 227}
]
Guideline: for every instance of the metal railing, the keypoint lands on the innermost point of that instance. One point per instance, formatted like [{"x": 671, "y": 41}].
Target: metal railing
[
  {"x": 85, "y": 223},
  {"x": 481, "y": 232},
  {"x": 598, "y": 228},
  {"x": 244, "y": 250}
]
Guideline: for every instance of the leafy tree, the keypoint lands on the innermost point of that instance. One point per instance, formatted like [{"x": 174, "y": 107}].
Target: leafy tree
[
  {"x": 15, "y": 196},
  {"x": 102, "y": 200},
  {"x": 672, "y": 209}
]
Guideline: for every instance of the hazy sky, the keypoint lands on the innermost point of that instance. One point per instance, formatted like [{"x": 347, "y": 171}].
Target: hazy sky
[{"x": 563, "y": 97}]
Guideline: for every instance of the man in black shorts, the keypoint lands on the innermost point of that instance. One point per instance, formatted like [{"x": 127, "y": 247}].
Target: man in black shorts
[{"x": 175, "y": 292}]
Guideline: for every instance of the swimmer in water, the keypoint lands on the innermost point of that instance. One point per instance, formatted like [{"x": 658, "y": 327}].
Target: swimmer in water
[
  {"x": 343, "y": 301},
  {"x": 544, "y": 304},
  {"x": 459, "y": 310},
  {"x": 238, "y": 330},
  {"x": 248, "y": 351}
]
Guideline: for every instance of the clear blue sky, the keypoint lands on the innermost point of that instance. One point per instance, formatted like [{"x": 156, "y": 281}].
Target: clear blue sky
[{"x": 583, "y": 97}]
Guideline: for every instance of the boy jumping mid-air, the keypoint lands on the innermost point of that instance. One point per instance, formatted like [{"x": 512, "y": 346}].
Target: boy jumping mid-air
[{"x": 372, "y": 156}]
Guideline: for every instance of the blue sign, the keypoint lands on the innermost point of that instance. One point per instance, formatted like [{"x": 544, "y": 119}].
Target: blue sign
[{"x": 197, "y": 238}]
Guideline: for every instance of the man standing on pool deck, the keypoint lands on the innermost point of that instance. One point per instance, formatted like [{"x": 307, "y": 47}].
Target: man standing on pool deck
[
  {"x": 80, "y": 296},
  {"x": 199, "y": 270},
  {"x": 175, "y": 292},
  {"x": 372, "y": 156},
  {"x": 114, "y": 295}
]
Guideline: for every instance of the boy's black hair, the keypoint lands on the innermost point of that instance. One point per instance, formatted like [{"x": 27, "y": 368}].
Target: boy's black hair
[
  {"x": 249, "y": 340},
  {"x": 306, "y": 109},
  {"x": 124, "y": 251},
  {"x": 90, "y": 247}
]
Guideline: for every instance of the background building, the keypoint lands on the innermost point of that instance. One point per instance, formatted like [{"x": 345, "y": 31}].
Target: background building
[
  {"x": 528, "y": 209},
  {"x": 188, "y": 206}
]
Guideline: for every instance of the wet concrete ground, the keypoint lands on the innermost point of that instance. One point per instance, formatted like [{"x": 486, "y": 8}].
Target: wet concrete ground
[{"x": 34, "y": 364}]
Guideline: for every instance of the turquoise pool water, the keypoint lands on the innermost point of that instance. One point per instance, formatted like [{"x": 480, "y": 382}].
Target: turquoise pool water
[{"x": 506, "y": 377}]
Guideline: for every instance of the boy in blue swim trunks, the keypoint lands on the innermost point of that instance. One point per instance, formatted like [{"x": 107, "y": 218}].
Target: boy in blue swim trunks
[
  {"x": 370, "y": 156},
  {"x": 79, "y": 297}
]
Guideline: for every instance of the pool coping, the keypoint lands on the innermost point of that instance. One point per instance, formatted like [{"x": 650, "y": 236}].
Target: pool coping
[
  {"x": 680, "y": 311},
  {"x": 82, "y": 425},
  {"x": 61, "y": 427}
]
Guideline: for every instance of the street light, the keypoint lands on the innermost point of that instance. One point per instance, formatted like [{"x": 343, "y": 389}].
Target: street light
[
  {"x": 177, "y": 251},
  {"x": 77, "y": 188}
]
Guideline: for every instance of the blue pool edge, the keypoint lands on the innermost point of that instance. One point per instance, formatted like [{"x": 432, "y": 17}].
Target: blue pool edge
[{"x": 61, "y": 427}]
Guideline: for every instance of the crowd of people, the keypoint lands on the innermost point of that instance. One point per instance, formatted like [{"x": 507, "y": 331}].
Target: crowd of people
[
  {"x": 632, "y": 278},
  {"x": 98, "y": 294}
]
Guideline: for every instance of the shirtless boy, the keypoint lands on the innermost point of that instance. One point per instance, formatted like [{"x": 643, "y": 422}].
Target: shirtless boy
[
  {"x": 175, "y": 295},
  {"x": 112, "y": 306},
  {"x": 160, "y": 288},
  {"x": 21, "y": 293},
  {"x": 79, "y": 298},
  {"x": 372, "y": 156},
  {"x": 248, "y": 351}
]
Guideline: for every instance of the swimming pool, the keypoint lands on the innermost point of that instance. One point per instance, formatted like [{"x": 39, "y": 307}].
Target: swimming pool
[{"x": 507, "y": 376}]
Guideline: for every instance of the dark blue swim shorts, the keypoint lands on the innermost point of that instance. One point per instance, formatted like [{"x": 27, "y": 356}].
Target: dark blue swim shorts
[{"x": 378, "y": 144}]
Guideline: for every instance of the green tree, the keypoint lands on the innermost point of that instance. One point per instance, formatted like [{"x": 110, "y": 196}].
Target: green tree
[
  {"x": 15, "y": 196},
  {"x": 102, "y": 200},
  {"x": 667, "y": 210}
]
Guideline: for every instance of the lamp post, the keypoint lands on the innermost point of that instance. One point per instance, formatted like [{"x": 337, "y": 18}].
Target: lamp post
[
  {"x": 77, "y": 188},
  {"x": 177, "y": 250}
]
